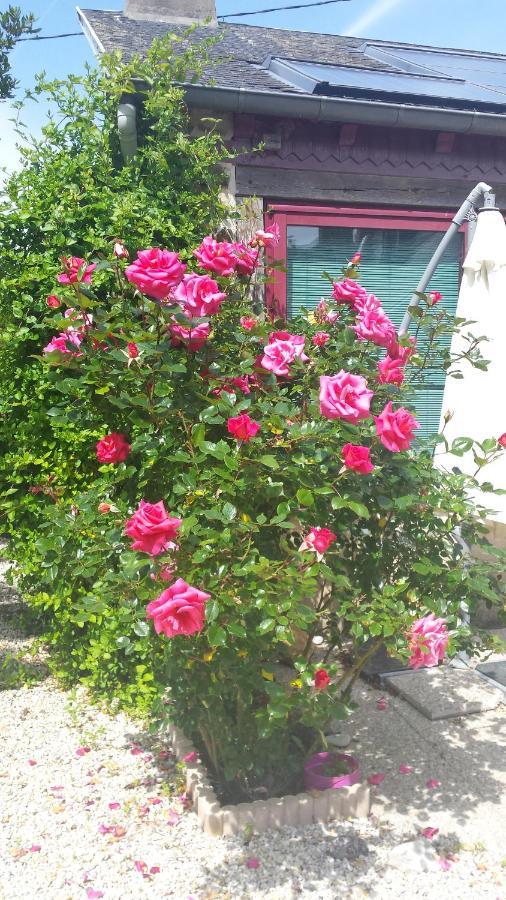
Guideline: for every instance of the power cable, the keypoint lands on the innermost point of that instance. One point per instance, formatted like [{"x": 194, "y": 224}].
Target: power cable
[
  {"x": 260, "y": 12},
  {"x": 50, "y": 37}
]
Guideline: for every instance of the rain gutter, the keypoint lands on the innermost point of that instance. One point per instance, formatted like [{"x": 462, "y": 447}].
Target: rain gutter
[{"x": 316, "y": 108}]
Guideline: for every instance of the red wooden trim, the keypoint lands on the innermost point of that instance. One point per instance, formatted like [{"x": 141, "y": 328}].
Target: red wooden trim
[{"x": 338, "y": 216}]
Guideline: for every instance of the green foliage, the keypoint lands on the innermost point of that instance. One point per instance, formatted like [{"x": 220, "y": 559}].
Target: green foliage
[
  {"x": 74, "y": 195},
  {"x": 13, "y": 25}
]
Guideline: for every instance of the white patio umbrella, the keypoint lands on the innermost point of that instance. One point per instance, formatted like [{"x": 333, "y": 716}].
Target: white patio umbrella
[{"x": 478, "y": 400}]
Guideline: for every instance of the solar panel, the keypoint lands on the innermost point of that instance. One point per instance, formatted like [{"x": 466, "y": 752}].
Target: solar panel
[{"x": 466, "y": 80}]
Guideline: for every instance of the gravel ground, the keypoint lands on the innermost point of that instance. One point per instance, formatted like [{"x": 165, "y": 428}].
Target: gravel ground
[{"x": 92, "y": 806}]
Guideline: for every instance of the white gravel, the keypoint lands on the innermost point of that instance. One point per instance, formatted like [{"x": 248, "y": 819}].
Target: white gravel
[{"x": 60, "y": 839}]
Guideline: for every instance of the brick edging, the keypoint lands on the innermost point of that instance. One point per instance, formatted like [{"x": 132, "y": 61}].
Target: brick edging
[{"x": 262, "y": 815}]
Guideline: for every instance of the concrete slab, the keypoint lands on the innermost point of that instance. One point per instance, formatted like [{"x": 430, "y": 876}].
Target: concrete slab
[
  {"x": 445, "y": 693},
  {"x": 495, "y": 670}
]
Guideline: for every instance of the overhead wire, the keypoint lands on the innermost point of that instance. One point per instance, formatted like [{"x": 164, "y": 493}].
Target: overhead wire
[{"x": 259, "y": 12}]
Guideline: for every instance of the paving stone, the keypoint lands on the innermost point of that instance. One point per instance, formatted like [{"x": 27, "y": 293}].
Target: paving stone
[
  {"x": 444, "y": 693},
  {"x": 495, "y": 670}
]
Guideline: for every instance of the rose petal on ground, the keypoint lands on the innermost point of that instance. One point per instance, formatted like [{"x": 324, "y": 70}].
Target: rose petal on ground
[
  {"x": 32, "y": 762},
  {"x": 57, "y": 787},
  {"x": 190, "y": 757},
  {"x": 105, "y": 829},
  {"x": 252, "y": 863},
  {"x": 429, "y": 832},
  {"x": 93, "y": 894},
  {"x": 119, "y": 831},
  {"x": 135, "y": 750},
  {"x": 382, "y": 703},
  {"x": 82, "y": 751},
  {"x": 154, "y": 801},
  {"x": 35, "y": 848},
  {"x": 432, "y": 783},
  {"x": 376, "y": 778},
  {"x": 445, "y": 863},
  {"x": 154, "y": 870},
  {"x": 174, "y": 818},
  {"x": 114, "y": 805},
  {"x": 164, "y": 754},
  {"x": 405, "y": 770},
  {"x": 140, "y": 865}
]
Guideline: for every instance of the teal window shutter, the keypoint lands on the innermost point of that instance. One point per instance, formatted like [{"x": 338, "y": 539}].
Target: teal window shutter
[{"x": 393, "y": 260}]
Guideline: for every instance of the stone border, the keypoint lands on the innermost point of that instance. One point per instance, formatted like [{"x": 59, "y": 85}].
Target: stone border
[{"x": 262, "y": 815}]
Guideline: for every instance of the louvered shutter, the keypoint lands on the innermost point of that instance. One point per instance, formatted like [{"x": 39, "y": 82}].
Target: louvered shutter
[{"x": 393, "y": 261}]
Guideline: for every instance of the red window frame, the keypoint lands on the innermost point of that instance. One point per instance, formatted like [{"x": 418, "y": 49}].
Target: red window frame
[{"x": 336, "y": 216}]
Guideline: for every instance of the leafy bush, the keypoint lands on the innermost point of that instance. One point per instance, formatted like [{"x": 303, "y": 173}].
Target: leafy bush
[
  {"x": 246, "y": 500},
  {"x": 74, "y": 194}
]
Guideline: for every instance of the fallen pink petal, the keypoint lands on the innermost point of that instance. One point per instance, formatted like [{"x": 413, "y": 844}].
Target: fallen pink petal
[
  {"x": 82, "y": 751},
  {"x": 114, "y": 805},
  {"x": 35, "y": 848},
  {"x": 164, "y": 754},
  {"x": 433, "y": 783},
  {"x": 140, "y": 866},
  {"x": 174, "y": 818},
  {"x": 57, "y": 787},
  {"x": 405, "y": 770},
  {"x": 382, "y": 703},
  {"x": 190, "y": 757},
  {"x": 154, "y": 870},
  {"x": 105, "y": 829},
  {"x": 377, "y": 778},
  {"x": 135, "y": 751},
  {"x": 429, "y": 832},
  {"x": 32, "y": 762},
  {"x": 93, "y": 894},
  {"x": 253, "y": 863},
  {"x": 445, "y": 863},
  {"x": 154, "y": 801}
]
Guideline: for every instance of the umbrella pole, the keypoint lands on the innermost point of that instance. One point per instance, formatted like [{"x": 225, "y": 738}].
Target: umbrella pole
[{"x": 481, "y": 190}]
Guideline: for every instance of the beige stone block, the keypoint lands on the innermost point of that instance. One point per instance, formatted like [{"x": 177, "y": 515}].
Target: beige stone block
[
  {"x": 291, "y": 810},
  {"x": 275, "y": 812},
  {"x": 320, "y": 806},
  {"x": 306, "y": 809}
]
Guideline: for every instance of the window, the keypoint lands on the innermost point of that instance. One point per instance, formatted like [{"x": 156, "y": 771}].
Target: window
[{"x": 395, "y": 246}]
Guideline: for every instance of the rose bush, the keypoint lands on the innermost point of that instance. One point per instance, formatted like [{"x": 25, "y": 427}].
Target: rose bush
[{"x": 272, "y": 511}]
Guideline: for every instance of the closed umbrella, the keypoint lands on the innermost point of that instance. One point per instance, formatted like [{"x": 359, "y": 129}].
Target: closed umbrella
[{"x": 478, "y": 400}]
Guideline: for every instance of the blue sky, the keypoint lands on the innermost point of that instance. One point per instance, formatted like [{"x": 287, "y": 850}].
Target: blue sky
[{"x": 444, "y": 23}]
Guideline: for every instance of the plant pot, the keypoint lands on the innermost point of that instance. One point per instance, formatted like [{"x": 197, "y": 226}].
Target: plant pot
[{"x": 314, "y": 778}]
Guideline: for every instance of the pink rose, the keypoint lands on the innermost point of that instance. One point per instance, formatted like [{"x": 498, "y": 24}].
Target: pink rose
[
  {"x": 242, "y": 427},
  {"x": 428, "y": 640},
  {"x": 53, "y": 302},
  {"x": 268, "y": 238},
  {"x": 373, "y": 324},
  {"x": 318, "y": 540},
  {"x": 198, "y": 295},
  {"x": 246, "y": 260},
  {"x": 390, "y": 371},
  {"x": 75, "y": 270},
  {"x": 61, "y": 343},
  {"x": 155, "y": 272},
  {"x": 434, "y": 297},
  {"x": 178, "y": 610},
  {"x": 345, "y": 396},
  {"x": 395, "y": 428},
  {"x": 216, "y": 256},
  {"x": 152, "y": 528},
  {"x": 248, "y": 322},
  {"x": 133, "y": 350},
  {"x": 320, "y": 338},
  {"x": 501, "y": 440},
  {"x": 283, "y": 348},
  {"x": 113, "y": 448},
  {"x": 349, "y": 291},
  {"x": 192, "y": 338},
  {"x": 357, "y": 458}
]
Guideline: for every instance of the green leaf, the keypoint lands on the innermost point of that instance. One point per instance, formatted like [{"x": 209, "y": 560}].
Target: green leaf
[
  {"x": 216, "y": 636},
  {"x": 305, "y": 497},
  {"x": 269, "y": 461},
  {"x": 141, "y": 629},
  {"x": 266, "y": 625}
]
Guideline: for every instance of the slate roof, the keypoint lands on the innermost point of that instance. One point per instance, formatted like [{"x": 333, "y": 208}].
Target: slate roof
[{"x": 243, "y": 52}]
